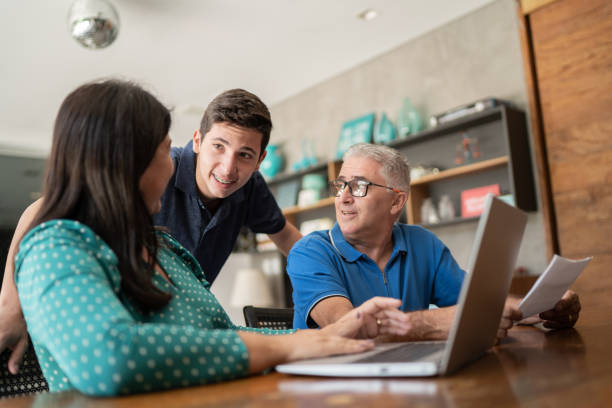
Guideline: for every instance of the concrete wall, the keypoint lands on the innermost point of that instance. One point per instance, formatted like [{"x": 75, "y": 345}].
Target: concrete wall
[{"x": 470, "y": 58}]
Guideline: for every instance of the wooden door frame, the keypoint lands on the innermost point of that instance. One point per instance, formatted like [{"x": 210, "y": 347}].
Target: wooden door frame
[{"x": 524, "y": 9}]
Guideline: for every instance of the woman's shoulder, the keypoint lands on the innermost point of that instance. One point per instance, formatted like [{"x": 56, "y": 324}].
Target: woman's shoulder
[
  {"x": 61, "y": 229},
  {"x": 60, "y": 245},
  {"x": 61, "y": 233}
]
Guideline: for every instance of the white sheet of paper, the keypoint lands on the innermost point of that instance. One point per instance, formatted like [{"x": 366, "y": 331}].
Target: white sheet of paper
[{"x": 552, "y": 284}]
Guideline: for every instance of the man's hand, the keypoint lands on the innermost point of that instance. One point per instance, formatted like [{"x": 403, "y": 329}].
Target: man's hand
[
  {"x": 565, "y": 313},
  {"x": 13, "y": 335},
  {"x": 377, "y": 316},
  {"x": 510, "y": 315},
  {"x": 424, "y": 325}
]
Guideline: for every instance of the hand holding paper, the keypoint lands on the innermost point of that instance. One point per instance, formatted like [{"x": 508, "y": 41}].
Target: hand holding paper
[{"x": 551, "y": 285}]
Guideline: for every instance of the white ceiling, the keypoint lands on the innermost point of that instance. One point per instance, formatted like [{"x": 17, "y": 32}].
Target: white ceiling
[{"x": 187, "y": 51}]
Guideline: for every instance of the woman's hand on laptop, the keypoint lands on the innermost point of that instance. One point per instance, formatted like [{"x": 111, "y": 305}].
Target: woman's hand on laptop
[{"x": 344, "y": 336}]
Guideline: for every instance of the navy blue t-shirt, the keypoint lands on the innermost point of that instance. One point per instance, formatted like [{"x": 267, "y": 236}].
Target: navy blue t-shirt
[{"x": 211, "y": 238}]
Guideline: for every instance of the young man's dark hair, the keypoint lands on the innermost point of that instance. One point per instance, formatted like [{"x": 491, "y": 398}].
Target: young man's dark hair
[{"x": 240, "y": 108}]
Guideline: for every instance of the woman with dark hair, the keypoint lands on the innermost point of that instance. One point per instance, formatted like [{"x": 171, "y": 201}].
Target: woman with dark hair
[{"x": 114, "y": 305}]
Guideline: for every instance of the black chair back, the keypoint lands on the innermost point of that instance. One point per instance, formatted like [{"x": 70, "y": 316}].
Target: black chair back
[
  {"x": 268, "y": 317},
  {"x": 29, "y": 380}
]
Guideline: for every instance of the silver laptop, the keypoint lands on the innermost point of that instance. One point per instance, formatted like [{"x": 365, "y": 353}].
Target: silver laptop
[{"x": 481, "y": 302}]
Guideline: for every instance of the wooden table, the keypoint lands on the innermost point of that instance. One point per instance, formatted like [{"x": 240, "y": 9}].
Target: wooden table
[{"x": 531, "y": 367}]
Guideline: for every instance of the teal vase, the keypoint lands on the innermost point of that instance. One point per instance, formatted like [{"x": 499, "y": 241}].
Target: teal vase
[
  {"x": 408, "y": 120},
  {"x": 384, "y": 131},
  {"x": 273, "y": 162}
]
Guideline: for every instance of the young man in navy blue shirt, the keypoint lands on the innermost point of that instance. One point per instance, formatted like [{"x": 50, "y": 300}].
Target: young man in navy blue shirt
[{"x": 216, "y": 188}]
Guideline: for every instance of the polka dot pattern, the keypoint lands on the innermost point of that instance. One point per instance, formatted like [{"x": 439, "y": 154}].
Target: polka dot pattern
[{"x": 89, "y": 336}]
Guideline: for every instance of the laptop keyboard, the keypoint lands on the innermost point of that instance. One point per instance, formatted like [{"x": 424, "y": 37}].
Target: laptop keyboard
[{"x": 407, "y": 352}]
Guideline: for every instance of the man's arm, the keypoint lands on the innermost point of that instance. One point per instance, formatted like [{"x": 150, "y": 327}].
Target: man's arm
[
  {"x": 390, "y": 323},
  {"x": 432, "y": 324},
  {"x": 418, "y": 325},
  {"x": 285, "y": 238},
  {"x": 13, "y": 331},
  {"x": 330, "y": 310}
]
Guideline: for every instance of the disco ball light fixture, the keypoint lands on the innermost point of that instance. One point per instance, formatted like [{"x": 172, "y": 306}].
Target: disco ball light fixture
[{"x": 93, "y": 23}]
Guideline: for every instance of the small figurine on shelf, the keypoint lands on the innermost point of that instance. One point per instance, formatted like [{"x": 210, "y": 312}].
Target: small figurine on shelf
[
  {"x": 418, "y": 171},
  {"x": 446, "y": 209},
  {"x": 475, "y": 148},
  {"x": 459, "y": 156},
  {"x": 429, "y": 215},
  {"x": 467, "y": 151}
]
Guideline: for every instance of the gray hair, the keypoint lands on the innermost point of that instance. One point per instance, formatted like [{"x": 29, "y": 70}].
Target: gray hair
[{"x": 394, "y": 165}]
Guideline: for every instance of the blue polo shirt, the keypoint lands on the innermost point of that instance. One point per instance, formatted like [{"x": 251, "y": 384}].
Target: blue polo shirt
[
  {"x": 210, "y": 238},
  {"x": 420, "y": 272}
]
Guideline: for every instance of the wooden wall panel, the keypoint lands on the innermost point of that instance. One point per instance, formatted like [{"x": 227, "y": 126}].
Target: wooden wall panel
[
  {"x": 594, "y": 285},
  {"x": 572, "y": 48},
  {"x": 590, "y": 232}
]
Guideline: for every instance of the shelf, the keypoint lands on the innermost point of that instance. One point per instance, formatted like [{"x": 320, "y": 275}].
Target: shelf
[
  {"x": 457, "y": 220},
  {"x": 501, "y": 133},
  {"x": 446, "y": 174},
  {"x": 462, "y": 170},
  {"x": 279, "y": 178},
  {"x": 296, "y": 209},
  {"x": 465, "y": 122}
]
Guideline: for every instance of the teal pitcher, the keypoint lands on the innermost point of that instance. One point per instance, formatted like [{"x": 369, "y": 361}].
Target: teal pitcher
[{"x": 272, "y": 163}]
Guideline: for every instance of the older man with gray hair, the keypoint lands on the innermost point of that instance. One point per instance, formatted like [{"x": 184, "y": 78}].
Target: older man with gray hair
[{"x": 367, "y": 253}]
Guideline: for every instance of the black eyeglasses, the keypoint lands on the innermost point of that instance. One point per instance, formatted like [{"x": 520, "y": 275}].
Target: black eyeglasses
[{"x": 357, "y": 187}]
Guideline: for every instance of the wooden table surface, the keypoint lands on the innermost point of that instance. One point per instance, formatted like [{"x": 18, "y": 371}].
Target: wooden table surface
[{"x": 531, "y": 367}]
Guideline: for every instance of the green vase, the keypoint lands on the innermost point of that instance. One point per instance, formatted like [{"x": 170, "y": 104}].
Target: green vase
[
  {"x": 384, "y": 131},
  {"x": 408, "y": 120}
]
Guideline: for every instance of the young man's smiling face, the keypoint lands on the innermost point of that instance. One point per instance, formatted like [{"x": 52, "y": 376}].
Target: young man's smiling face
[{"x": 227, "y": 156}]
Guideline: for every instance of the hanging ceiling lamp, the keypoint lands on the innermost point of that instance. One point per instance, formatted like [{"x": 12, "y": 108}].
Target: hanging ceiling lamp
[{"x": 93, "y": 23}]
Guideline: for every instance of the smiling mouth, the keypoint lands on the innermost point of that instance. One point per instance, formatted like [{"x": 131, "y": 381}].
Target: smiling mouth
[{"x": 222, "y": 181}]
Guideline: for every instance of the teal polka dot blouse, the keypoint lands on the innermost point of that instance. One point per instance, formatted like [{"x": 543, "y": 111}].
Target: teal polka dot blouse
[{"x": 88, "y": 336}]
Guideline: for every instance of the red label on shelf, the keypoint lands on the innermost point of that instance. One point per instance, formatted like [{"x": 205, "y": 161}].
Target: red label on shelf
[{"x": 472, "y": 200}]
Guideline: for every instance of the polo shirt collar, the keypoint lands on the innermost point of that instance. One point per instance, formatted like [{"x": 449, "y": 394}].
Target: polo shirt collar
[
  {"x": 186, "y": 173},
  {"x": 350, "y": 254},
  {"x": 399, "y": 241},
  {"x": 346, "y": 250}
]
